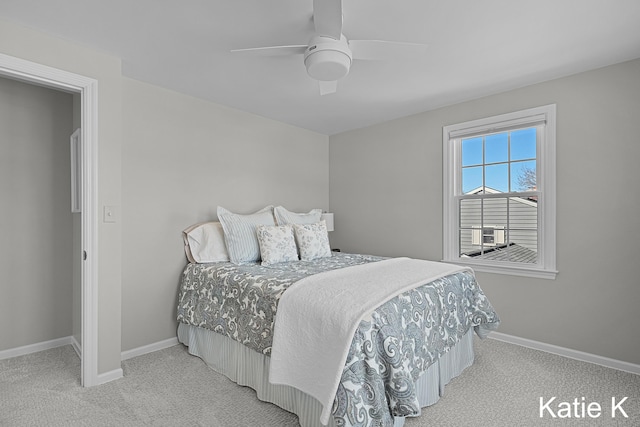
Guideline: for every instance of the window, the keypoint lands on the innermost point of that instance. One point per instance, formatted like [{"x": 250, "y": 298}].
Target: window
[{"x": 499, "y": 193}]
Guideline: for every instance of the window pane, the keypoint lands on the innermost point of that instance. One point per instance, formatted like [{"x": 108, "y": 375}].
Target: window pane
[
  {"x": 523, "y": 144},
  {"x": 523, "y": 214},
  {"x": 512, "y": 253},
  {"x": 471, "y": 179},
  {"x": 495, "y": 212},
  {"x": 523, "y": 176},
  {"x": 497, "y": 177},
  {"x": 472, "y": 151},
  {"x": 525, "y": 238},
  {"x": 470, "y": 213},
  {"x": 470, "y": 225},
  {"x": 466, "y": 247},
  {"x": 497, "y": 148},
  {"x": 523, "y": 230}
]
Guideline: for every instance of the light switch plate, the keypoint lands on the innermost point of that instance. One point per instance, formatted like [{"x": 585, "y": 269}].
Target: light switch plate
[{"x": 110, "y": 214}]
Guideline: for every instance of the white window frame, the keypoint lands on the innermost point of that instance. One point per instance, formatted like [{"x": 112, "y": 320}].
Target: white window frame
[{"x": 452, "y": 136}]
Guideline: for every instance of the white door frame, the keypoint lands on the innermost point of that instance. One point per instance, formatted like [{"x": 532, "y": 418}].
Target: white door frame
[{"x": 42, "y": 75}]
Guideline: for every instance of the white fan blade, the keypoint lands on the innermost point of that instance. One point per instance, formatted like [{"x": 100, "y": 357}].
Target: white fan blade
[
  {"x": 328, "y": 87},
  {"x": 373, "y": 50},
  {"x": 327, "y": 18},
  {"x": 273, "y": 50}
]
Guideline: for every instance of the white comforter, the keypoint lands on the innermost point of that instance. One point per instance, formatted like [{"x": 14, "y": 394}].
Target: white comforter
[{"x": 318, "y": 315}]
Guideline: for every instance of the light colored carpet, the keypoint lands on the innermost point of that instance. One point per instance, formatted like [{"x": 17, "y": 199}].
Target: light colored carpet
[{"x": 172, "y": 388}]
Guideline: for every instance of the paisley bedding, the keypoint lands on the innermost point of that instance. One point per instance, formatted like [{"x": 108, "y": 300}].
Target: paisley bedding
[{"x": 389, "y": 351}]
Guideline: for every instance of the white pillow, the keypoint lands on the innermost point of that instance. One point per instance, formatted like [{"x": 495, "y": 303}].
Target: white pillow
[
  {"x": 283, "y": 216},
  {"x": 240, "y": 233},
  {"x": 277, "y": 244},
  {"x": 313, "y": 240},
  {"x": 204, "y": 242}
]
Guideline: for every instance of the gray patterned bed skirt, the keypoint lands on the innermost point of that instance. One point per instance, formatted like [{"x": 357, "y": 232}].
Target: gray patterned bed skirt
[{"x": 249, "y": 368}]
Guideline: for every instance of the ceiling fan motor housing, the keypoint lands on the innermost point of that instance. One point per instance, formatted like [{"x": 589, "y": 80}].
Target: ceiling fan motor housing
[{"x": 328, "y": 59}]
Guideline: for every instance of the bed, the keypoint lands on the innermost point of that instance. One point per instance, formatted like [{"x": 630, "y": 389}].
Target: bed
[{"x": 387, "y": 359}]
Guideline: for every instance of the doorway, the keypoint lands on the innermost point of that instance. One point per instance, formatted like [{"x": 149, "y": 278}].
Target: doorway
[{"x": 87, "y": 88}]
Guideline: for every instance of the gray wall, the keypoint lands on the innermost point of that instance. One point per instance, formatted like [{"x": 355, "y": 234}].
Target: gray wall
[
  {"x": 35, "y": 218},
  {"x": 182, "y": 157},
  {"x": 28, "y": 44},
  {"x": 386, "y": 193}
]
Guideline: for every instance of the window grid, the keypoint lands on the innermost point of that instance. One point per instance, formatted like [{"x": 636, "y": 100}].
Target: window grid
[
  {"x": 484, "y": 223},
  {"x": 538, "y": 233}
]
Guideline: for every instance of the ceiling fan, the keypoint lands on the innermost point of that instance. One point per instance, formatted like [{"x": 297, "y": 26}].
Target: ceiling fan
[{"x": 328, "y": 55}]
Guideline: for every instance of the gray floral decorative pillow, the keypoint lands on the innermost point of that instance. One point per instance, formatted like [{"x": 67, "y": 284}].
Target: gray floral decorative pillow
[
  {"x": 313, "y": 240},
  {"x": 277, "y": 244}
]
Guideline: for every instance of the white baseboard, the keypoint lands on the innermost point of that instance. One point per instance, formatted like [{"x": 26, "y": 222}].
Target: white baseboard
[
  {"x": 567, "y": 352},
  {"x": 34, "y": 348},
  {"x": 77, "y": 347},
  {"x": 106, "y": 377},
  {"x": 139, "y": 351},
  {"x": 102, "y": 378}
]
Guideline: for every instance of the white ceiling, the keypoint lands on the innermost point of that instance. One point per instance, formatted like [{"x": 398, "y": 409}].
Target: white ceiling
[{"x": 476, "y": 48}]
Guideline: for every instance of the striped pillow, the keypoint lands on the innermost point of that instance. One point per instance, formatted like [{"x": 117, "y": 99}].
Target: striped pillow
[{"x": 240, "y": 233}]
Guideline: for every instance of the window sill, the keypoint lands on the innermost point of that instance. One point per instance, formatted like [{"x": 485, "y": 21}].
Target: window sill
[{"x": 537, "y": 273}]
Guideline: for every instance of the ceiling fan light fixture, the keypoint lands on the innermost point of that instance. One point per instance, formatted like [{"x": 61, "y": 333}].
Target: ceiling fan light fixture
[
  {"x": 328, "y": 55},
  {"x": 327, "y": 59}
]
